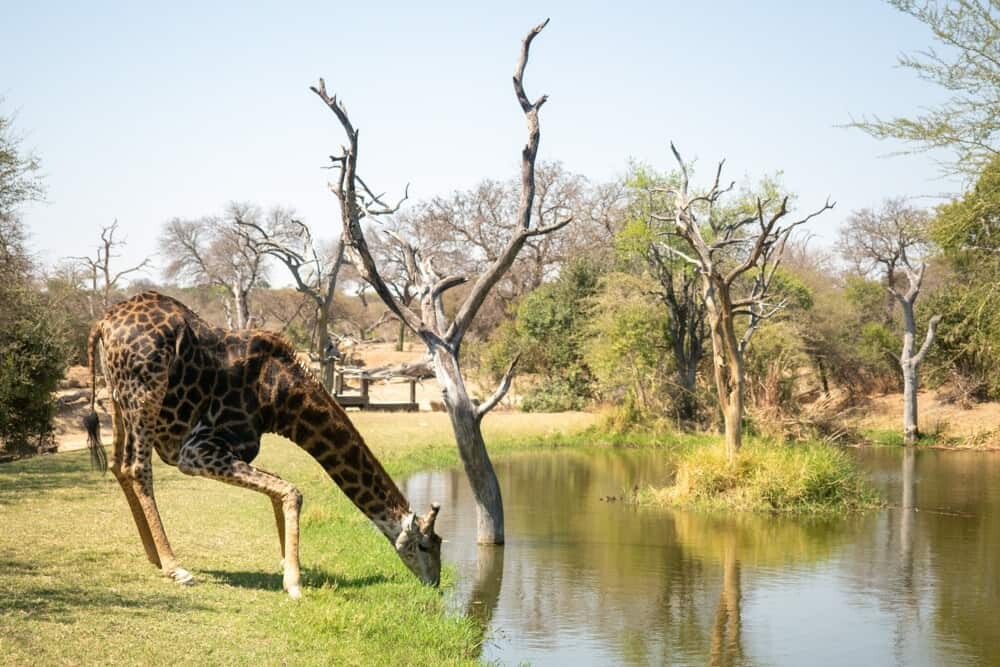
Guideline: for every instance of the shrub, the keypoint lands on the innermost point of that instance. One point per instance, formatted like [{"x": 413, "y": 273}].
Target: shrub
[
  {"x": 32, "y": 361},
  {"x": 557, "y": 394}
]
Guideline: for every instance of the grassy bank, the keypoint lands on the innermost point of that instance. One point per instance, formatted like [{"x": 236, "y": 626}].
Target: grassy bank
[
  {"x": 75, "y": 587},
  {"x": 765, "y": 477}
]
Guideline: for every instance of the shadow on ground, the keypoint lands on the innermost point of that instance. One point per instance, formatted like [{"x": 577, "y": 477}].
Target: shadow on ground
[
  {"x": 35, "y": 597},
  {"x": 29, "y": 478},
  {"x": 311, "y": 578}
]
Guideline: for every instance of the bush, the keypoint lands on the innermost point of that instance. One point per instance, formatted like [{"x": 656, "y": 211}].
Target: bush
[
  {"x": 556, "y": 395},
  {"x": 548, "y": 331},
  {"x": 32, "y": 361}
]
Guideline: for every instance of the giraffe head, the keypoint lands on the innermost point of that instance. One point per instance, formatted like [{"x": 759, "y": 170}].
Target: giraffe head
[{"x": 419, "y": 547}]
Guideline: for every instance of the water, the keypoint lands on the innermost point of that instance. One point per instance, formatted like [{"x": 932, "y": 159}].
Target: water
[{"x": 588, "y": 581}]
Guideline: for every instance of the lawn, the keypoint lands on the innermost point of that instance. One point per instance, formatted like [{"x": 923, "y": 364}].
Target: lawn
[{"x": 75, "y": 586}]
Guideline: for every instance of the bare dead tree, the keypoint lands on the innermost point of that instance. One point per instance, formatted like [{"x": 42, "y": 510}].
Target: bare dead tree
[
  {"x": 468, "y": 230},
  {"x": 216, "y": 251},
  {"x": 104, "y": 281},
  {"x": 315, "y": 273},
  {"x": 891, "y": 241},
  {"x": 443, "y": 335},
  {"x": 731, "y": 248},
  {"x": 281, "y": 309},
  {"x": 390, "y": 250}
]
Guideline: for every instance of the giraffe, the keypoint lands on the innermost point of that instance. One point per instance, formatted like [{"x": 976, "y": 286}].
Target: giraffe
[{"x": 202, "y": 397}]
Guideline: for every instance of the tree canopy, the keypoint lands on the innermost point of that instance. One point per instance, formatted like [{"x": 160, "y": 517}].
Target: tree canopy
[{"x": 965, "y": 62}]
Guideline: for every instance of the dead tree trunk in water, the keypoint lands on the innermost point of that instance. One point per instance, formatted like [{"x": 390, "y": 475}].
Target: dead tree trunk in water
[{"x": 443, "y": 336}]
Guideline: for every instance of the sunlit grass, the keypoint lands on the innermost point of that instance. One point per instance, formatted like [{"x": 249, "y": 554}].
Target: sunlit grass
[
  {"x": 75, "y": 586},
  {"x": 770, "y": 477},
  {"x": 890, "y": 438}
]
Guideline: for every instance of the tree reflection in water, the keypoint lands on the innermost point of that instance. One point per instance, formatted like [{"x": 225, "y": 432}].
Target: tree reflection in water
[
  {"x": 582, "y": 581},
  {"x": 727, "y": 640},
  {"x": 489, "y": 580}
]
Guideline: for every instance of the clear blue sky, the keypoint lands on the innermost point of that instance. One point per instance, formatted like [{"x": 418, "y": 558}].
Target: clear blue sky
[{"x": 144, "y": 112}]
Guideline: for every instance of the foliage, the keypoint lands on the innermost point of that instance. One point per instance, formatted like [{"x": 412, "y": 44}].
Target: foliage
[
  {"x": 549, "y": 330},
  {"x": 968, "y": 68},
  {"x": 802, "y": 478},
  {"x": 627, "y": 347},
  {"x": 32, "y": 361},
  {"x": 772, "y": 363},
  {"x": 557, "y": 394},
  {"x": 31, "y": 354},
  {"x": 861, "y": 341},
  {"x": 647, "y": 248},
  {"x": 19, "y": 179},
  {"x": 968, "y": 233}
]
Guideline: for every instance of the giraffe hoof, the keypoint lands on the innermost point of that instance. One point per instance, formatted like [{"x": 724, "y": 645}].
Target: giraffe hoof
[{"x": 183, "y": 577}]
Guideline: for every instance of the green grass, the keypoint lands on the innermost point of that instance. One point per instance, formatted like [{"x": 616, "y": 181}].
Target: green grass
[
  {"x": 890, "y": 438},
  {"x": 766, "y": 477},
  {"x": 75, "y": 586}
]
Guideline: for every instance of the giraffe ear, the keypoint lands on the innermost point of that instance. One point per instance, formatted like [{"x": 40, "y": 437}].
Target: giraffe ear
[{"x": 431, "y": 518}]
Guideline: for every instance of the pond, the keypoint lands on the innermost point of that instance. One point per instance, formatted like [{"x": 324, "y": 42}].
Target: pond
[{"x": 587, "y": 580}]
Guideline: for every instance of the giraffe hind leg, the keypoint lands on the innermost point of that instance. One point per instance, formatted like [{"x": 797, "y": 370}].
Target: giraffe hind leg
[
  {"x": 118, "y": 465},
  {"x": 139, "y": 476},
  {"x": 211, "y": 455}
]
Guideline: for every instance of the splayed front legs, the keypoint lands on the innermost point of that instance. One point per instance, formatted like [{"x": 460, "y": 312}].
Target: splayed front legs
[{"x": 210, "y": 454}]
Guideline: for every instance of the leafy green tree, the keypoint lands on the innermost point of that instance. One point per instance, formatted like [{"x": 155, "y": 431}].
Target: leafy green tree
[
  {"x": 968, "y": 232},
  {"x": 549, "y": 330},
  {"x": 628, "y": 348},
  {"x": 31, "y": 356},
  {"x": 646, "y": 241},
  {"x": 966, "y": 63}
]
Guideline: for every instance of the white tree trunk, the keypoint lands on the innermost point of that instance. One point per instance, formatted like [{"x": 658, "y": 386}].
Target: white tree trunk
[
  {"x": 910, "y": 385},
  {"x": 909, "y": 363},
  {"x": 465, "y": 422}
]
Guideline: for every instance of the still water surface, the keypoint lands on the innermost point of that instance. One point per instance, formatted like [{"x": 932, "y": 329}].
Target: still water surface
[{"x": 584, "y": 581}]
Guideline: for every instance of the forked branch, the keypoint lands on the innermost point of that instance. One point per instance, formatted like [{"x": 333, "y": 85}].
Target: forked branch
[
  {"x": 501, "y": 390},
  {"x": 523, "y": 231},
  {"x": 353, "y": 206}
]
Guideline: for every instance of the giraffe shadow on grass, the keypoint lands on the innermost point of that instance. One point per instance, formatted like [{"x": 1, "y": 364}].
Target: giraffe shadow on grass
[{"x": 311, "y": 578}]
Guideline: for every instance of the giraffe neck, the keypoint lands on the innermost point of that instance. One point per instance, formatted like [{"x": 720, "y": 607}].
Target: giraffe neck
[{"x": 313, "y": 420}]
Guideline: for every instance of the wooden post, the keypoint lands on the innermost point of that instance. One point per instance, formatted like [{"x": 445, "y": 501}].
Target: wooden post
[
  {"x": 338, "y": 383},
  {"x": 413, "y": 391},
  {"x": 364, "y": 386}
]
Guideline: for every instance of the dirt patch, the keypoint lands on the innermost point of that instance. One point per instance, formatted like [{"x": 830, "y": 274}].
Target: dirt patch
[{"x": 977, "y": 426}]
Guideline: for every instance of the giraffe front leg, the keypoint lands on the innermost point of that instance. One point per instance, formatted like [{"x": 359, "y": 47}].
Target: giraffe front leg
[
  {"x": 211, "y": 455},
  {"x": 279, "y": 520}
]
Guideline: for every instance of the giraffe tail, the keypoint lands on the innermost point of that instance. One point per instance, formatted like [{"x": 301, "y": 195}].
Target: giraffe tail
[{"x": 98, "y": 458}]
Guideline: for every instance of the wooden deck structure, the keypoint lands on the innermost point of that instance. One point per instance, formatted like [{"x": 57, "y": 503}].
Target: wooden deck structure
[{"x": 362, "y": 399}]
